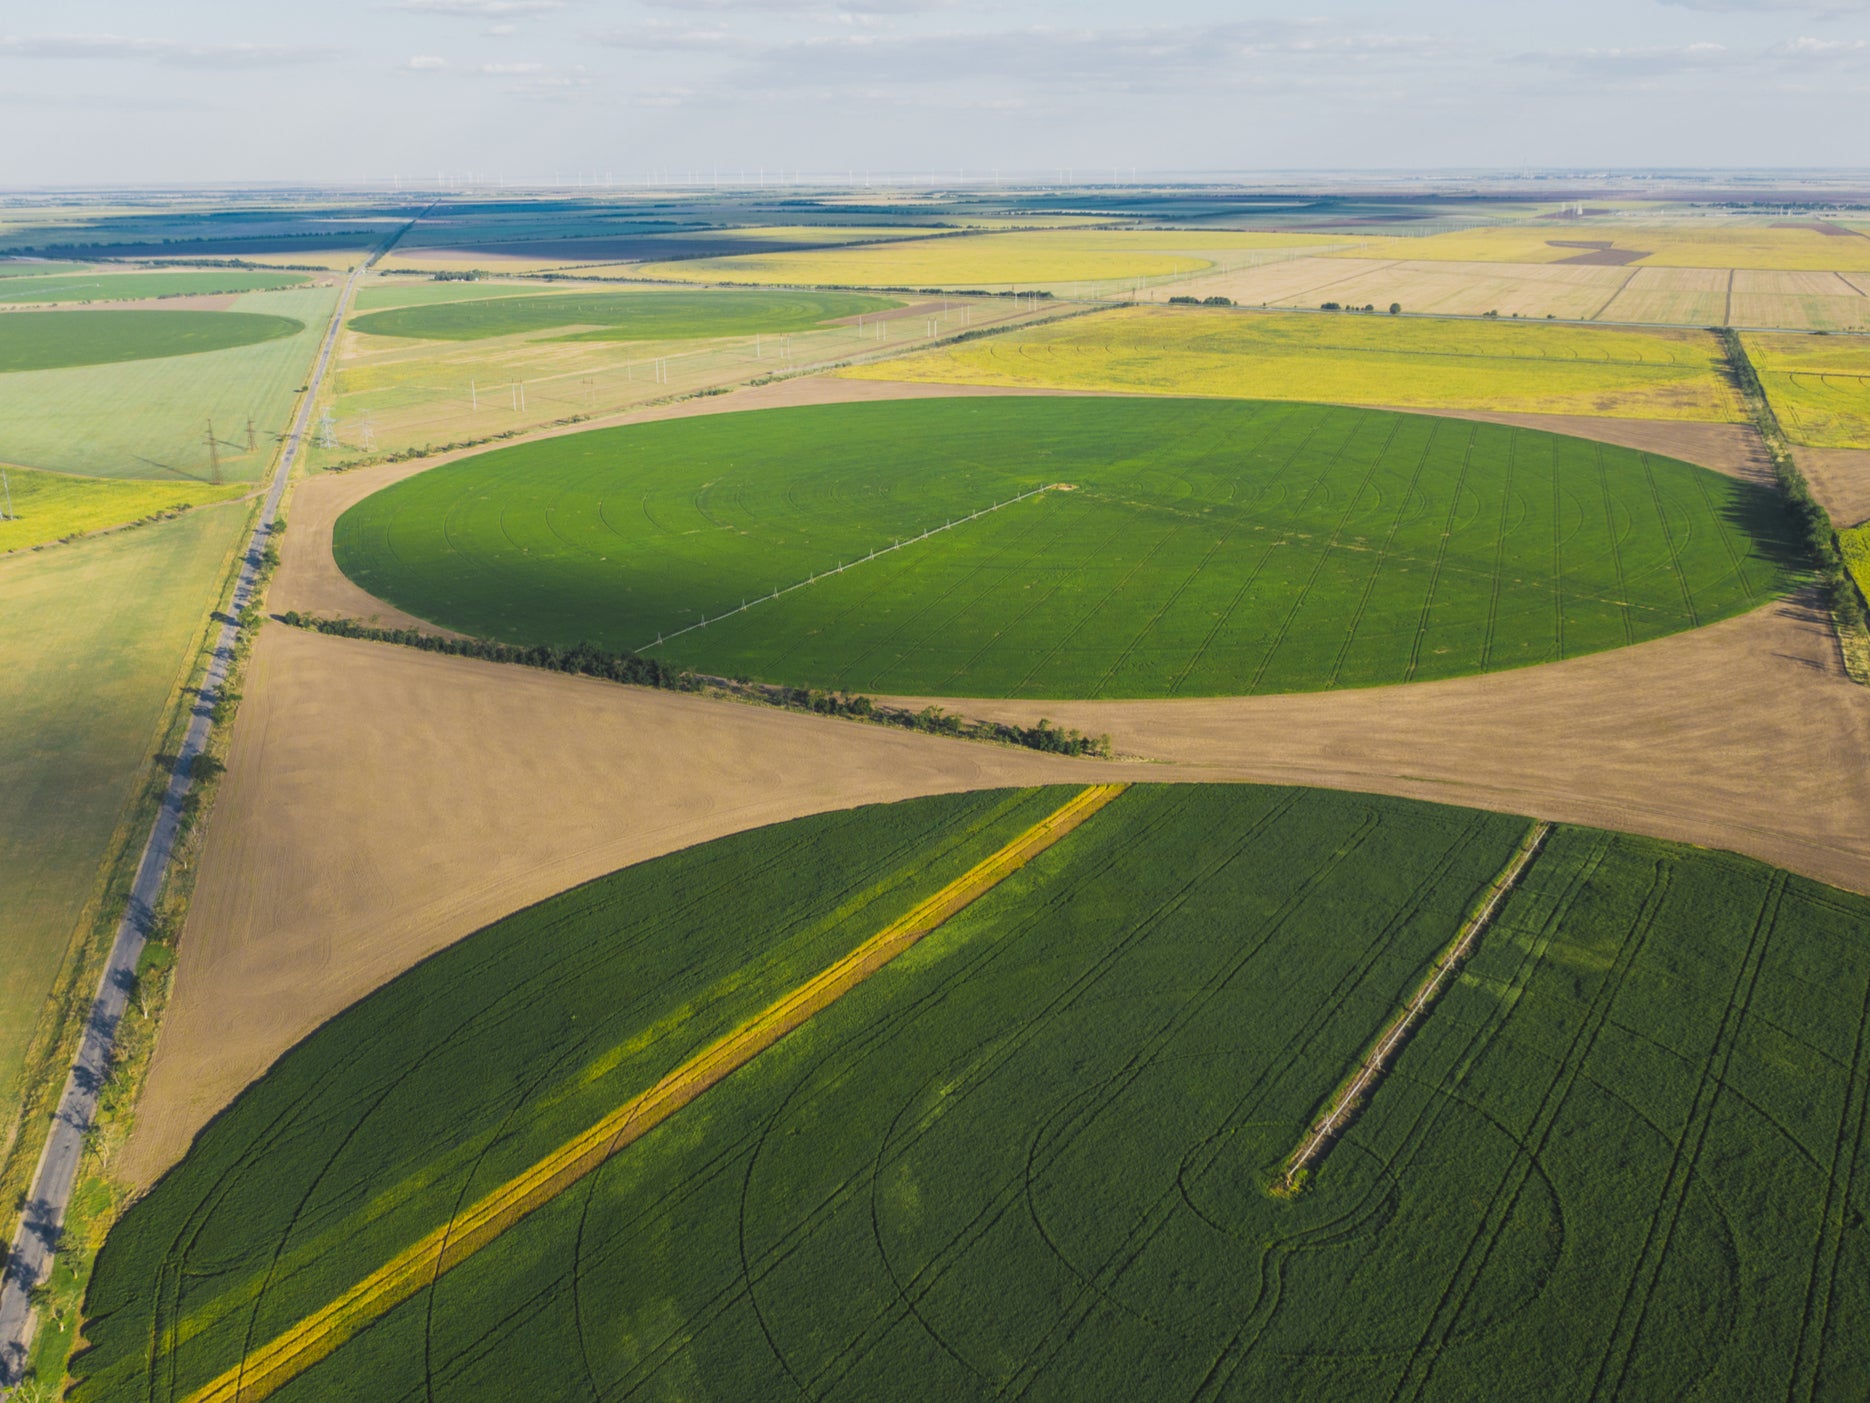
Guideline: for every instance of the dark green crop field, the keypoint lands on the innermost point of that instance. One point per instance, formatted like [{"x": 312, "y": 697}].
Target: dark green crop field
[
  {"x": 1030, "y": 1158},
  {"x": 621, "y": 316},
  {"x": 1186, "y": 547},
  {"x": 129, "y": 287},
  {"x": 48, "y": 340}
]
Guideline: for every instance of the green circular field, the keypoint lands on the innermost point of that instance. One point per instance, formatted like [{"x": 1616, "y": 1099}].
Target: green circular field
[
  {"x": 1034, "y": 1155},
  {"x": 622, "y": 316},
  {"x": 1180, "y": 547},
  {"x": 50, "y": 340}
]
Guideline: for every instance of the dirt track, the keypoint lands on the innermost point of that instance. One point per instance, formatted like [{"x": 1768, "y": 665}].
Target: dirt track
[{"x": 381, "y": 803}]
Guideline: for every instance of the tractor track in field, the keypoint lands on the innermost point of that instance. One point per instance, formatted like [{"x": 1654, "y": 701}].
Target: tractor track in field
[{"x": 318, "y": 1335}]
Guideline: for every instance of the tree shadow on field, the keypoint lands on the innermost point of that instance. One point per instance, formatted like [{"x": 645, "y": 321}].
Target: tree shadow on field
[{"x": 1766, "y": 518}]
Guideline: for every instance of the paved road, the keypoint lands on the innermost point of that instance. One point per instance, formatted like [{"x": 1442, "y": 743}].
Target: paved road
[{"x": 36, "y": 1242}]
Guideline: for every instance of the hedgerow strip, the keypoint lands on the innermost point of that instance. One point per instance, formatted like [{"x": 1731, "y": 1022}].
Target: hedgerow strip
[
  {"x": 634, "y": 669},
  {"x": 1816, "y": 529}
]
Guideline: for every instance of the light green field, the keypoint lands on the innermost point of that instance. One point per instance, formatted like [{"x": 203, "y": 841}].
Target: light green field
[
  {"x": 130, "y": 287},
  {"x": 95, "y": 637},
  {"x": 40, "y": 340},
  {"x": 36, "y": 268},
  {"x": 643, "y": 315},
  {"x": 422, "y": 294},
  {"x": 149, "y": 418},
  {"x": 1348, "y": 358},
  {"x": 41, "y": 506},
  {"x": 1819, "y": 386}
]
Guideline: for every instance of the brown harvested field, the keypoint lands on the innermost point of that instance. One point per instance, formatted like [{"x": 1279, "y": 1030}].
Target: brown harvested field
[
  {"x": 1743, "y": 735},
  {"x": 1840, "y": 479},
  {"x": 1285, "y": 281},
  {"x": 310, "y": 582},
  {"x": 1685, "y": 296},
  {"x": 381, "y": 803},
  {"x": 1734, "y": 449}
]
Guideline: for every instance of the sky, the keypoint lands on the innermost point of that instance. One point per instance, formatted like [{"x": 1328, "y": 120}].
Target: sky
[{"x": 100, "y": 92}]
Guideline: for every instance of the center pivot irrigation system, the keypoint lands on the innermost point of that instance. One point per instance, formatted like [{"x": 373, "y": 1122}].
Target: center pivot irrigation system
[{"x": 747, "y": 604}]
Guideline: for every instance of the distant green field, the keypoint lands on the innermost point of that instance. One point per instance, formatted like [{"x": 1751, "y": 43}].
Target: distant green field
[
  {"x": 1204, "y": 547},
  {"x": 149, "y": 418},
  {"x": 375, "y": 296},
  {"x": 1030, "y": 1158},
  {"x": 128, "y": 287},
  {"x": 95, "y": 636},
  {"x": 52, "y": 340},
  {"x": 36, "y": 268},
  {"x": 621, "y": 316},
  {"x": 38, "y": 506}
]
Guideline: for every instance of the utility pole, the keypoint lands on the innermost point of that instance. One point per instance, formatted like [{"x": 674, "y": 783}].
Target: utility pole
[
  {"x": 214, "y": 457},
  {"x": 252, "y": 442}
]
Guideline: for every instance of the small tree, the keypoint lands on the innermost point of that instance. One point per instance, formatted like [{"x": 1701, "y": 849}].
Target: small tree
[{"x": 1395, "y": 308}]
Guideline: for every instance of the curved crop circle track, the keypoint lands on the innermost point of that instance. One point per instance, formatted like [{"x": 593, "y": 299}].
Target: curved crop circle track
[{"x": 1072, "y": 547}]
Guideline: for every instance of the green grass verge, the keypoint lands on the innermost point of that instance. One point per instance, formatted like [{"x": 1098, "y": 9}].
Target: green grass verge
[
  {"x": 1031, "y": 1157},
  {"x": 95, "y": 636},
  {"x": 1207, "y": 547},
  {"x": 149, "y": 418},
  {"x": 126, "y": 287},
  {"x": 52, "y": 340},
  {"x": 51, "y": 506},
  {"x": 621, "y": 316}
]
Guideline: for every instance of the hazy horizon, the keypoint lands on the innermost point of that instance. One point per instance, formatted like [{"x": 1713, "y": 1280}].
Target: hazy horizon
[{"x": 538, "y": 91}]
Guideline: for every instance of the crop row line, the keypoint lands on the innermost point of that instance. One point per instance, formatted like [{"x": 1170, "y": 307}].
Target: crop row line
[
  {"x": 269, "y": 1368},
  {"x": 1343, "y": 1108},
  {"x": 813, "y": 579}
]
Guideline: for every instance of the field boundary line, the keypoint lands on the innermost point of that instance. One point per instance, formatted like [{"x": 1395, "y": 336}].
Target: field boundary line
[
  {"x": 1343, "y": 1108},
  {"x": 325, "y": 1331},
  {"x": 747, "y": 604}
]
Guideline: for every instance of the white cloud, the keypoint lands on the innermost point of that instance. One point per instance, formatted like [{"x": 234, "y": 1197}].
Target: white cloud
[
  {"x": 477, "y": 9},
  {"x": 1805, "y": 47},
  {"x": 168, "y": 51},
  {"x": 426, "y": 63},
  {"x": 1800, "y": 7},
  {"x": 511, "y": 69}
]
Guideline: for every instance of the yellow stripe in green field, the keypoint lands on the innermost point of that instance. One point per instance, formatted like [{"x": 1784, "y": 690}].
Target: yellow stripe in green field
[{"x": 284, "y": 1358}]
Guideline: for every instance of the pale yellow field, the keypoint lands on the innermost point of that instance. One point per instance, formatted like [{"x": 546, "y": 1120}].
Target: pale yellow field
[
  {"x": 1033, "y": 259},
  {"x": 1349, "y": 359},
  {"x": 1472, "y": 289},
  {"x": 1820, "y": 301},
  {"x": 1819, "y": 386},
  {"x": 389, "y": 394},
  {"x": 1689, "y": 296},
  {"x": 1684, "y": 245},
  {"x": 50, "y": 506}
]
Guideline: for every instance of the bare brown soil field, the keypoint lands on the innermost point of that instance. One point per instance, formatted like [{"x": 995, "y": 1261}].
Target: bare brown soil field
[
  {"x": 1743, "y": 735},
  {"x": 381, "y": 803},
  {"x": 1840, "y": 479},
  {"x": 309, "y": 579},
  {"x": 1733, "y": 449}
]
